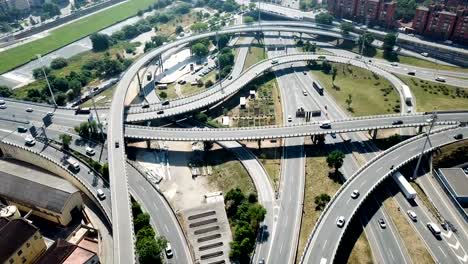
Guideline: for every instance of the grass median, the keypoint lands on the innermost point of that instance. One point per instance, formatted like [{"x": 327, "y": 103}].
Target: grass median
[
  {"x": 370, "y": 94},
  {"x": 64, "y": 35},
  {"x": 317, "y": 181},
  {"x": 255, "y": 54},
  {"x": 228, "y": 172},
  {"x": 432, "y": 96}
]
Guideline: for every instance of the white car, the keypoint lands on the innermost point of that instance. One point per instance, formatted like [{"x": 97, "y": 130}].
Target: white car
[
  {"x": 355, "y": 194},
  {"x": 394, "y": 64},
  {"x": 340, "y": 221},
  {"x": 169, "y": 252},
  {"x": 382, "y": 223},
  {"x": 90, "y": 151},
  {"x": 29, "y": 110},
  {"x": 3, "y": 106},
  {"x": 29, "y": 141},
  {"x": 440, "y": 79},
  {"x": 412, "y": 215},
  {"x": 289, "y": 118}
]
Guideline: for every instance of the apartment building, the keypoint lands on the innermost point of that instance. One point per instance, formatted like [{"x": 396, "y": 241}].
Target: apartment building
[
  {"x": 440, "y": 22},
  {"x": 366, "y": 11}
]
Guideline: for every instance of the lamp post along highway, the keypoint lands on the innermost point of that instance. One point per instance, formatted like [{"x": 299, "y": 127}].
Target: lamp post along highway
[
  {"x": 39, "y": 58},
  {"x": 433, "y": 120},
  {"x": 99, "y": 123}
]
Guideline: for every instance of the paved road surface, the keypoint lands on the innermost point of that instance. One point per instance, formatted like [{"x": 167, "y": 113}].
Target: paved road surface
[{"x": 365, "y": 181}]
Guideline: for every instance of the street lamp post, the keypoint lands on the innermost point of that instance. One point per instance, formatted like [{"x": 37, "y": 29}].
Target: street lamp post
[
  {"x": 47, "y": 79},
  {"x": 434, "y": 119},
  {"x": 99, "y": 122}
]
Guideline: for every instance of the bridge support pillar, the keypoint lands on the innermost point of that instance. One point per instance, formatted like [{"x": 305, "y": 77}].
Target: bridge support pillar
[
  {"x": 148, "y": 143},
  {"x": 374, "y": 134},
  {"x": 420, "y": 128}
]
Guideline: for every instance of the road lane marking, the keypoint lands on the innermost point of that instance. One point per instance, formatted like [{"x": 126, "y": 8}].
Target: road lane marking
[
  {"x": 167, "y": 229},
  {"x": 391, "y": 254},
  {"x": 442, "y": 251},
  {"x": 379, "y": 169}
]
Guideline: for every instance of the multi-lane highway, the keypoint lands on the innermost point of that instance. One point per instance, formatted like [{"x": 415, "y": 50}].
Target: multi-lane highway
[{"x": 365, "y": 180}]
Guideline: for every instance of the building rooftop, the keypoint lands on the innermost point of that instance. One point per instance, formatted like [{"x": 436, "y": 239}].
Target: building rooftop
[
  {"x": 13, "y": 234},
  {"x": 458, "y": 181},
  {"x": 47, "y": 192},
  {"x": 65, "y": 252}
]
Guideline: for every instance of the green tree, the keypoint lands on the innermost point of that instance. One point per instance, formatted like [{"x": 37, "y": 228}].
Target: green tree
[
  {"x": 321, "y": 201},
  {"x": 83, "y": 129},
  {"x": 324, "y": 18},
  {"x": 179, "y": 29},
  {"x": 163, "y": 95},
  {"x": 141, "y": 221},
  {"x": 199, "y": 27},
  {"x": 334, "y": 72},
  {"x": 200, "y": 49},
  {"x": 58, "y": 63},
  {"x": 145, "y": 232},
  {"x": 5, "y": 91},
  {"x": 349, "y": 101},
  {"x": 248, "y": 19},
  {"x": 388, "y": 45},
  {"x": 100, "y": 42},
  {"x": 335, "y": 159},
  {"x": 105, "y": 171},
  {"x": 60, "y": 99},
  {"x": 367, "y": 38},
  {"x": 149, "y": 250},
  {"x": 39, "y": 74},
  {"x": 326, "y": 67},
  {"x": 346, "y": 27},
  {"x": 66, "y": 140}
]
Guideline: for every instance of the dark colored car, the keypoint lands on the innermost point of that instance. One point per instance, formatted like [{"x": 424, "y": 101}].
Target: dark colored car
[
  {"x": 165, "y": 102},
  {"x": 458, "y": 136},
  {"x": 397, "y": 122},
  {"x": 160, "y": 112}
]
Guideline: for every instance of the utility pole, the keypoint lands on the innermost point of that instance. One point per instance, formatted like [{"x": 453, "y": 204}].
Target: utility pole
[
  {"x": 39, "y": 58},
  {"x": 99, "y": 123},
  {"x": 434, "y": 119},
  {"x": 219, "y": 63}
]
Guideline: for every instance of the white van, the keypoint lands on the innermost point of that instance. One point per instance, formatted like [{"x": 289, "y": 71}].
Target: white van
[
  {"x": 90, "y": 151},
  {"x": 2, "y": 102},
  {"x": 325, "y": 124},
  {"x": 100, "y": 194},
  {"x": 74, "y": 164},
  {"x": 434, "y": 229}
]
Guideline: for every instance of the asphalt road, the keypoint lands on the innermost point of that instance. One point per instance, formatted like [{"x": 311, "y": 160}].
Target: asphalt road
[
  {"x": 291, "y": 192},
  {"x": 290, "y": 130},
  {"x": 364, "y": 181},
  {"x": 386, "y": 246}
]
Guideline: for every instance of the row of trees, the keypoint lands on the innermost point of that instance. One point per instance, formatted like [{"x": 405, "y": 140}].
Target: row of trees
[
  {"x": 90, "y": 130},
  {"x": 69, "y": 87},
  {"x": 148, "y": 247},
  {"x": 245, "y": 214}
]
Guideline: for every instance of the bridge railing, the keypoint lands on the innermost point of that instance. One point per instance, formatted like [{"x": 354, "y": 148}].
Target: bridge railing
[{"x": 356, "y": 174}]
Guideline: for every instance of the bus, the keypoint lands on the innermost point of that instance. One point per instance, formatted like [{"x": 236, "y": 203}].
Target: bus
[{"x": 318, "y": 87}]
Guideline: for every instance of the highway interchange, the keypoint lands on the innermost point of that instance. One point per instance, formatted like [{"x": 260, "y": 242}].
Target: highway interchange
[{"x": 365, "y": 179}]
